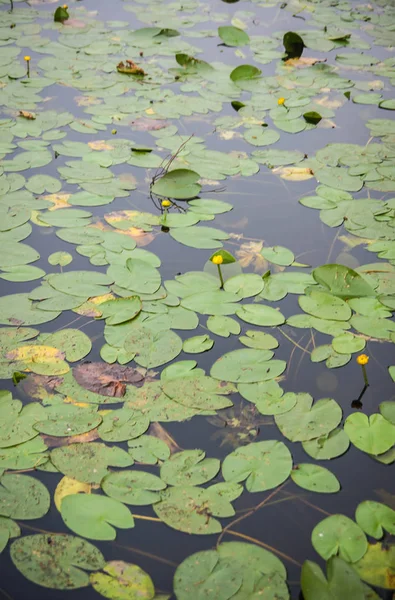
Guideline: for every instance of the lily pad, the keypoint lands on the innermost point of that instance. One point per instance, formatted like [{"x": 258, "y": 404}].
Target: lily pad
[
  {"x": 338, "y": 534},
  {"x": 56, "y": 561},
  {"x": 264, "y": 465},
  {"x": 94, "y": 516}
]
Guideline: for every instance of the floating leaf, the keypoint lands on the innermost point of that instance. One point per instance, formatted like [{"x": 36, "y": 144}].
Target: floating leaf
[
  {"x": 223, "y": 326},
  {"x": 245, "y": 72},
  {"x": 120, "y": 580},
  {"x": 260, "y": 314},
  {"x": 152, "y": 349},
  {"x": 342, "y": 581},
  {"x": 148, "y": 449},
  {"x": 189, "y": 467},
  {"x": 338, "y": 534},
  {"x": 278, "y": 255},
  {"x": 264, "y": 465},
  {"x": 374, "y": 518},
  {"x": 56, "y": 561},
  {"x": 66, "y": 420},
  {"x": 373, "y": 434},
  {"x": 122, "y": 425},
  {"x": 377, "y": 566},
  {"x": 93, "y": 516},
  {"x": 180, "y": 184},
  {"x": 197, "y": 344},
  {"x": 328, "y": 446},
  {"x": 192, "y": 509},
  {"x": 23, "y": 497},
  {"x": 342, "y": 281},
  {"x": 306, "y": 421},
  {"x": 233, "y": 36},
  {"x": 247, "y": 366},
  {"x": 88, "y": 462},
  {"x": 133, "y": 487},
  {"x": 315, "y": 479},
  {"x": 234, "y": 569}
]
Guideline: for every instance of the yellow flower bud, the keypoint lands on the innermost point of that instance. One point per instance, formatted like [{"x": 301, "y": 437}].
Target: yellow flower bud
[
  {"x": 362, "y": 359},
  {"x": 281, "y": 101},
  {"x": 27, "y": 58},
  {"x": 166, "y": 203},
  {"x": 65, "y": 6},
  {"x": 217, "y": 260}
]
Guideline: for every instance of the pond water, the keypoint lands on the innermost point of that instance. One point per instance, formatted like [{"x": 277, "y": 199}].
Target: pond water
[{"x": 197, "y": 295}]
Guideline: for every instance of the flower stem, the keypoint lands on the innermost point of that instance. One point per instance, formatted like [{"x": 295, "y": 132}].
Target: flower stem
[
  {"x": 220, "y": 276},
  {"x": 365, "y": 375},
  {"x": 28, "y": 69}
]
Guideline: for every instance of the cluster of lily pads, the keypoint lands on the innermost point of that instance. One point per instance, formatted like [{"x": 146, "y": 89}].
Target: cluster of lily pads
[{"x": 144, "y": 80}]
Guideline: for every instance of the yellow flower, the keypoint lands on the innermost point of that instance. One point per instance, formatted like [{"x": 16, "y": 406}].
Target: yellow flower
[
  {"x": 362, "y": 359},
  {"x": 27, "y": 58},
  {"x": 166, "y": 203},
  {"x": 65, "y": 6},
  {"x": 217, "y": 260},
  {"x": 281, "y": 101}
]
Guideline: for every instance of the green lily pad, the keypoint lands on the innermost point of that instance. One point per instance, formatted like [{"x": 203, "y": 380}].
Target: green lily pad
[
  {"x": 180, "y": 184},
  {"x": 94, "y": 516},
  {"x": 373, "y": 434},
  {"x": 133, "y": 487},
  {"x": 88, "y": 461},
  {"x": 306, "y": 421},
  {"x": 342, "y": 581},
  {"x": 264, "y": 465},
  {"x": 315, "y": 479},
  {"x": 189, "y": 467},
  {"x": 374, "y": 518},
  {"x": 56, "y": 561},
  {"x": 247, "y": 366},
  {"x": 233, "y": 36},
  {"x": 338, "y": 534},
  {"x": 197, "y": 344},
  {"x": 23, "y": 497}
]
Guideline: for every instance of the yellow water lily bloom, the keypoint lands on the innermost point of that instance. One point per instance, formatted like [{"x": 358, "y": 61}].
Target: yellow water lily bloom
[
  {"x": 281, "y": 101},
  {"x": 27, "y": 58},
  {"x": 362, "y": 359},
  {"x": 217, "y": 260},
  {"x": 166, "y": 203},
  {"x": 65, "y": 6}
]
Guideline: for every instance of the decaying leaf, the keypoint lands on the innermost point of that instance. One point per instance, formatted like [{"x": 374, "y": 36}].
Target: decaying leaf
[
  {"x": 294, "y": 173},
  {"x": 107, "y": 380},
  {"x": 27, "y": 115},
  {"x": 130, "y": 68}
]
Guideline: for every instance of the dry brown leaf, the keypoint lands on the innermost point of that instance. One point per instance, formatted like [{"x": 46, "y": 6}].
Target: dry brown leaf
[
  {"x": 27, "y": 115},
  {"x": 294, "y": 173},
  {"x": 107, "y": 380},
  {"x": 56, "y": 442},
  {"x": 303, "y": 61},
  {"x": 160, "y": 432}
]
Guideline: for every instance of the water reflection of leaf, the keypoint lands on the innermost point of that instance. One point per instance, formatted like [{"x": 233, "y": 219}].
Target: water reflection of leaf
[
  {"x": 386, "y": 497},
  {"x": 237, "y": 425},
  {"x": 249, "y": 256}
]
